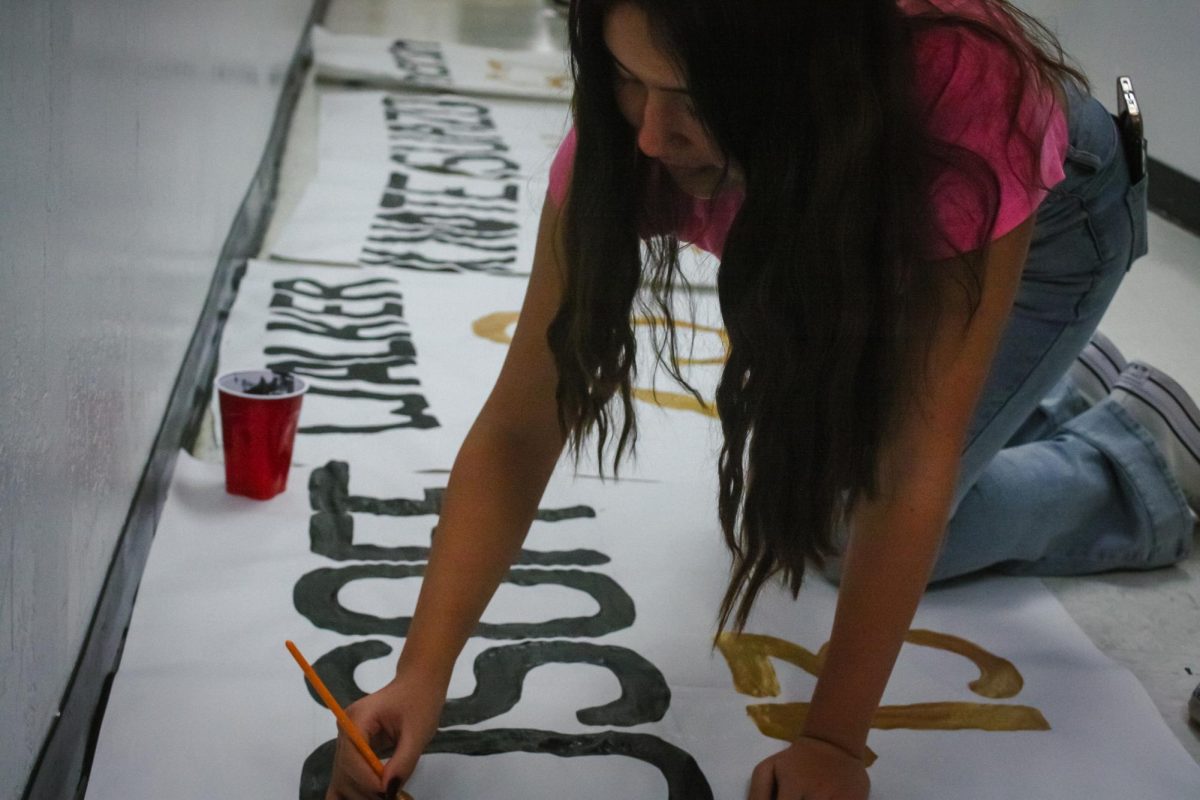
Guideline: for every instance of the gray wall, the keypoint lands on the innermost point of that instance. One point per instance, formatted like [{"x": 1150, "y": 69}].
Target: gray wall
[
  {"x": 129, "y": 131},
  {"x": 1154, "y": 41}
]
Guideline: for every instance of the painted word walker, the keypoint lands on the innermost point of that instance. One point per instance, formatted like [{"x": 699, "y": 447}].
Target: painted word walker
[{"x": 350, "y": 340}]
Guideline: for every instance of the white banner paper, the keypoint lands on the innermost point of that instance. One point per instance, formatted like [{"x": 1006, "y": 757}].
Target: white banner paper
[
  {"x": 444, "y": 66},
  {"x": 426, "y": 182},
  {"x": 596, "y": 653}
]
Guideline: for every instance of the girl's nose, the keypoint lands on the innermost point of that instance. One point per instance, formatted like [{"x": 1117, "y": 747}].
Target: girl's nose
[{"x": 658, "y": 135}]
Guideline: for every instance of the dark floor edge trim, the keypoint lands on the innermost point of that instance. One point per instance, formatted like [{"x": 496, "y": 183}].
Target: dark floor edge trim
[
  {"x": 1174, "y": 195},
  {"x": 64, "y": 762}
]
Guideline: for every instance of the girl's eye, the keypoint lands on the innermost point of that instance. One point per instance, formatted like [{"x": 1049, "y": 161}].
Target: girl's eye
[{"x": 627, "y": 85}]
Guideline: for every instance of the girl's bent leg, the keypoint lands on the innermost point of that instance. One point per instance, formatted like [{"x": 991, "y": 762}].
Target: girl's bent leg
[
  {"x": 1095, "y": 496},
  {"x": 1047, "y": 485}
]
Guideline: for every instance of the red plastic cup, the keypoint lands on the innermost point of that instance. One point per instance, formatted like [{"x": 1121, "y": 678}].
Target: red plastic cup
[{"x": 260, "y": 411}]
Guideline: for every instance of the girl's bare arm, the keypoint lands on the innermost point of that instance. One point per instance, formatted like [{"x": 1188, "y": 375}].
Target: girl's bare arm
[
  {"x": 895, "y": 538},
  {"x": 497, "y": 479}
]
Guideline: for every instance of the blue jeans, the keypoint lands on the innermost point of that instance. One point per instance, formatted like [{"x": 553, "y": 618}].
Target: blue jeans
[{"x": 1047, "y": 485}]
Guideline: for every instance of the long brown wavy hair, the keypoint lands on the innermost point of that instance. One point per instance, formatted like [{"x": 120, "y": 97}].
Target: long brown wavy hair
[{"x": 825, "y": 304}]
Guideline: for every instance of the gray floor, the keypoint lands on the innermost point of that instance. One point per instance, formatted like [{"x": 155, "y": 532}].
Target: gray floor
[{"x": 1148, "y": 621}]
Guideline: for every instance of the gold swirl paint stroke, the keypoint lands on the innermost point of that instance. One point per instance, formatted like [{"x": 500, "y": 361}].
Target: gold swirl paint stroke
[
  {"x": 749, "y": 659},
  {"x": 495, "y": 327},
  {"x": 502, "y": 71}
]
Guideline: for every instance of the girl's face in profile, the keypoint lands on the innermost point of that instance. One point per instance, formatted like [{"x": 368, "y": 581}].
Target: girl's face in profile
[{"x": 654, "y": 98}]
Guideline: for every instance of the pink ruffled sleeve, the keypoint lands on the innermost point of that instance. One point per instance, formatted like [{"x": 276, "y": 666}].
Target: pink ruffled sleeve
[{"x": 965, "y": 82}]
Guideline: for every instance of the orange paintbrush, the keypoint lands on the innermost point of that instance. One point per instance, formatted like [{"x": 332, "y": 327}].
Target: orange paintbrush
[{"x": 344, "y": 722}]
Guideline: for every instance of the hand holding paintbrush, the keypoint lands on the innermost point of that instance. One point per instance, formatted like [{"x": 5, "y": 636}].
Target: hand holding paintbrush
[{"x": 344, "y": 722}]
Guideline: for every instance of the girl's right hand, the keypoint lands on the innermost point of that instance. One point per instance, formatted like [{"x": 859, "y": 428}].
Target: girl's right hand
[{"x": 403, "y": 716}]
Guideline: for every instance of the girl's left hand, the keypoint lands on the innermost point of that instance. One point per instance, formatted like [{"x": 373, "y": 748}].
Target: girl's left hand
[{"x": 810, "y": 770}]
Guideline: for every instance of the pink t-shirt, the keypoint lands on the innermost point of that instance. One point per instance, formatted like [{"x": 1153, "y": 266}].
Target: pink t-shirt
[{"x": 962, "y": 80}]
